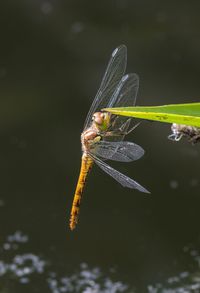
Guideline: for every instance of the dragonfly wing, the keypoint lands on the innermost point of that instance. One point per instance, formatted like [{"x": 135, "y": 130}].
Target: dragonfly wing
[
  {"x": 119, "y": 177},
  {"x": 123, "y": 151},
  {"x": 125, "y": 95},
  {"x": 114, "y": 72}
]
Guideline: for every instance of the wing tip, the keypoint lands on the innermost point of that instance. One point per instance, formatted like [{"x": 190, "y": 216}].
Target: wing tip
[
  {"x": 143, "y": 189},
  {"x": 147, "y": 191},
  {"x": 119, "y": 48}
]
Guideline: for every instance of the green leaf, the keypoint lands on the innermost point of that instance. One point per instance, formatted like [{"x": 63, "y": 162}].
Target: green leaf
[{"x": 188, "y": 114}]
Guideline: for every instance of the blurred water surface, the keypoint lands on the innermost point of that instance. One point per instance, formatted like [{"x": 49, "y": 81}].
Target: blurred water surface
[{"x": 52, "y": 58}]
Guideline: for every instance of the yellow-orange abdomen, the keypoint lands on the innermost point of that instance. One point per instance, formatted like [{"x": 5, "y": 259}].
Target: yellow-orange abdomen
[{"x": 86, "y": 165}]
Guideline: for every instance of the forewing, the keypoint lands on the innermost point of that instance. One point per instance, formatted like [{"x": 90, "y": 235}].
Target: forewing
[
  {"x": 123, "y": 151},
  {"x": 125, "y": 95},
  {"x": 119, "y": 177},
  {"x": 114, "y": 72}
]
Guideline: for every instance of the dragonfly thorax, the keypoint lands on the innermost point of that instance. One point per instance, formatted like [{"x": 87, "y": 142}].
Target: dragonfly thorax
[
  {"x": 88, "y": 137},
  {"x": 100, "y": 123}
]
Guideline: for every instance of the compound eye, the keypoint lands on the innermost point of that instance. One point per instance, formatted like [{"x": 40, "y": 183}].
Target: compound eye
[{"x": 97, "y": 118}]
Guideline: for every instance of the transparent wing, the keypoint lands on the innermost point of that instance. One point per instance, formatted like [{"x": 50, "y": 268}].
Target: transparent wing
[
  {"x": 125, "y": 95},
  {"x": 119, "y": 177},
  {"x": 114, "y": 72},
  {"x": 123, "y": 151}
]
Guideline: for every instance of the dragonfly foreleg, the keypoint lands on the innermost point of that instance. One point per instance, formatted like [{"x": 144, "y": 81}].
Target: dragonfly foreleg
[{"x": 121, "y": 131}]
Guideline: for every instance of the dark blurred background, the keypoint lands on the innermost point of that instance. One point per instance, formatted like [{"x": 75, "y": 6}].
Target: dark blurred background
[{"x": 52, "y": 57}]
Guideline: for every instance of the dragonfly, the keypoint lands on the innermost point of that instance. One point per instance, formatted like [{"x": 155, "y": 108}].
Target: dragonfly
[{"x": 103, "y": 134}]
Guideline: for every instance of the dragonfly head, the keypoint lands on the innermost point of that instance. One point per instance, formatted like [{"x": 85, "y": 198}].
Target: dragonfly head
[{"x": 101, "y": 120}]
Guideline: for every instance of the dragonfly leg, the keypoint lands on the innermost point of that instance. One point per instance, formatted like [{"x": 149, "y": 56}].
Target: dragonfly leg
[
  {"x": 113, "y": 133},
  {"x": 125, "y": 132},
  {"x": 121, "y": 131},
  {"x": 112, "y": 123}
]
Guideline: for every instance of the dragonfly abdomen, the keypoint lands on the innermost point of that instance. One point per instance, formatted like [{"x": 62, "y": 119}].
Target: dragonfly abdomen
[{"x": 86, "y": 165}]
